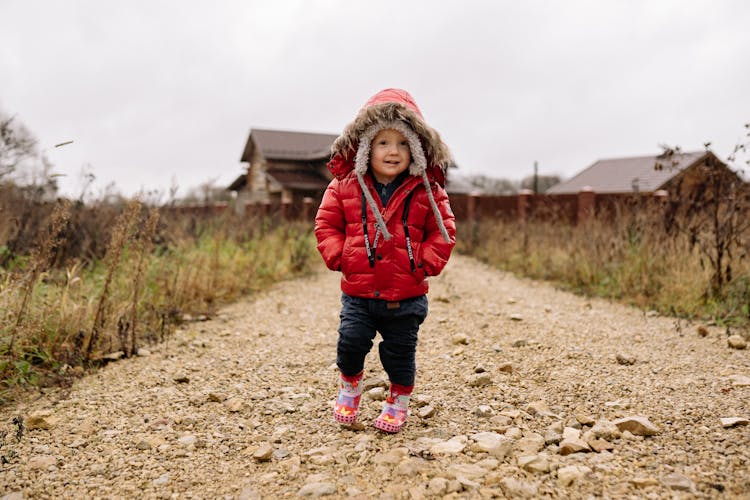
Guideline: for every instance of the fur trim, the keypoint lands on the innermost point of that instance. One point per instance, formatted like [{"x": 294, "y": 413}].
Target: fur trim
[
  {"x": 435, "y": 150},
  {"x": 418, "y": 160}
]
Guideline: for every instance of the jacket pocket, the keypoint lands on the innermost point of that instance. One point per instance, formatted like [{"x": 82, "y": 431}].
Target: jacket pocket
[{"x": 346, "y": 257}]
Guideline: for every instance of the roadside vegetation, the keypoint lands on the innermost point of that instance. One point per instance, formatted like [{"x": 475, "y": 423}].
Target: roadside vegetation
[
  {"x": 686, "y": 256},
  {"x": 83, "y": 285},
  {"x": 636, "y": 264}
]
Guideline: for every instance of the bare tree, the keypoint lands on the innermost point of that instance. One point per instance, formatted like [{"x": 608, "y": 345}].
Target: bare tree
[
  {"x": 17, "y": 145},
  {"x": 492, "y": 185},
  {"x": 712, "y": 207},
  {"x": 207, "y": 192},
  {"x": 543, "y": 182}
]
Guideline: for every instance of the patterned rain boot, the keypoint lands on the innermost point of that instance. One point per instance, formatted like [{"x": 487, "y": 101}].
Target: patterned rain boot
[
  {"x": 347, "y": 403},
  {"x": 395, "y": 409}
]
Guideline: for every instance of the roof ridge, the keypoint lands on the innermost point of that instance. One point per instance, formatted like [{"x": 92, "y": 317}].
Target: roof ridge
[
  {"x": 641, "y": 157},
  {"x": 286, "y": 131}
]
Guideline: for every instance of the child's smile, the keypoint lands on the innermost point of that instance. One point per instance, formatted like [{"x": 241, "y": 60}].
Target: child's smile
[{"x": 390, "y": 155}]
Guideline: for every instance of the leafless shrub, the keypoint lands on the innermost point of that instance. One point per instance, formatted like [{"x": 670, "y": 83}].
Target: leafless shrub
[
  {"x": 41, "y": 259},
  {"x": 711, "y": 206},
  {"x": 120, "y": 236},
  {"x": 143, "y": 246}
]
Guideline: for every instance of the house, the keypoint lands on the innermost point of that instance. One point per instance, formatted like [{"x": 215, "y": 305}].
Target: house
[
  {"x": 286, "y": 167},
  {"x": 283, "y": 167},
  {"x": 639, "y": 174}
]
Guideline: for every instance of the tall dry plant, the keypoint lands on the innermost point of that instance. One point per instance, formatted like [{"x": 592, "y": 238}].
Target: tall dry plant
[
  {"x": 143, "y": 245},
  {"x": 41, "y": 259},
  {"x": 121, "y": 233},
  {"x": 711, "y": 206}
]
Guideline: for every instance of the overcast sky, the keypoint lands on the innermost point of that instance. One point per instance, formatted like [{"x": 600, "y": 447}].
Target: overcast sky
[{"x": 156, "y": 91}]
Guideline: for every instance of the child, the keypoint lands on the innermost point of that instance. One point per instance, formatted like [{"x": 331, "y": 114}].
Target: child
[{"x": 386, "y": 224}]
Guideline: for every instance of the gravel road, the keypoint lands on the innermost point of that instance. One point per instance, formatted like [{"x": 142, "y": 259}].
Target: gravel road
[{"x": 522, "y": 391}]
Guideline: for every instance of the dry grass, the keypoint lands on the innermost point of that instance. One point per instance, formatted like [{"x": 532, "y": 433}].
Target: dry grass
[
  {"x": 60, "y": 313},
  {"x": 624, "y": 257}
]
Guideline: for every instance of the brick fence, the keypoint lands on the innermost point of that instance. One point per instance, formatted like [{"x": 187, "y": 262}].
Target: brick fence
[{"x": 524, "y": 206}]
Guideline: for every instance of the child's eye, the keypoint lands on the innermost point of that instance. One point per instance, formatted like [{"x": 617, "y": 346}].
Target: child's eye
[{"x": 404, "y": 143}]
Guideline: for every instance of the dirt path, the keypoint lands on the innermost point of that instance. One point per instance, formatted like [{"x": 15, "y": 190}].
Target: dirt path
[{"x": 239, "y": 407}]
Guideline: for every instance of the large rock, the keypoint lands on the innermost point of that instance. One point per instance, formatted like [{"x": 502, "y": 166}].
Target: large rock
[
  {"x": 426, "y": 411},
  {"x": 568, "y": 475},
  {"x": 41, "y": 462},
  {"x": 644, "y": 481},
  {"x": 490, "y": 442},
  {"x": 437, "y": 486},
  {"x": 316, "y": 490},
  {"x": 515, "y": 488},
  {"x": 43, "y": 420},
  {"x": 453, "y": 446},
  {"x": 733, "y": 422},
  {"x": 479, "y": 379},
  {"x": 529, "y": 444},
  {"x": 460, "y": 339},
  {"x": 373, "y": 382},
  {"x": 483, "y": 411},
  {"x": 538, "y": 464},
  {"x": 736, "y": 342},
  {"x": 677, "y": 481},
  {"x": 410, "y": 467},
  {"x": 391, "y": 457},
  {"x": 572, "y": 442},
  {"x": 739, "y": 380},
  {"x": 604, "y": 429},
  {"x": 539, "y": 408},
  {"x": 470, "y": 471},
  {"x": 637, "y": 425},
  {"x": 263, "y": 453},
  {"x": 376, "y": 394},
  {"x": 552, "y": 436}
]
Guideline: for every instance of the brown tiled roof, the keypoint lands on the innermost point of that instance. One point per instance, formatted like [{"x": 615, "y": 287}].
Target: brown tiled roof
[
  {"x": 299, "y": 179},
  {"x": 288, "y": 145},
  {"x": 238, "y": 183},
  {"x": 620, "y": 175}
]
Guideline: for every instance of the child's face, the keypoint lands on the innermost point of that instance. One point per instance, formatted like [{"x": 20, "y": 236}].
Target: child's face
[{"x": 390, "y": 155}]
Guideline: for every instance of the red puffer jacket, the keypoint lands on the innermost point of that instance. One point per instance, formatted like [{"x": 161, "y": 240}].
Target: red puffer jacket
[{"x": 341, "y": 238}]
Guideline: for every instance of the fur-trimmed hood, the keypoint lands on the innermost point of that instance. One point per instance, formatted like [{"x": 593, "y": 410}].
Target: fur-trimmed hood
[
  {"x": 386, "y": 107},
  {"x": 392, "y": 109}
]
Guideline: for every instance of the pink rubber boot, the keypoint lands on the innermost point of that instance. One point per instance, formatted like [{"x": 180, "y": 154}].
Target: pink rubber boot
[
  {"x": 395, "y": 409},
  {"x": 347, "y": 402}
]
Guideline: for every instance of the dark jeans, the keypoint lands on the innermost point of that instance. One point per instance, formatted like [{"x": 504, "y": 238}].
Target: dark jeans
[{"x": 398, "y": 324}]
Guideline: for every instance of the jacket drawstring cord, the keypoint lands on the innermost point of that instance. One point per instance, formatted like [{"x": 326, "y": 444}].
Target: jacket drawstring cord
[
  {"x": 369, "y": 249},
  {"x": 435, "y": 211},
  {"x": 404, "y": 219},
  {"x": 379, "y": 222}
]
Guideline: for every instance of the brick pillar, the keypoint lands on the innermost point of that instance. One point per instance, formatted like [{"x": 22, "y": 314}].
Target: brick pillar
[
  {"x": 307, "y": 208},
  {"x": 472, "y": 206},
  {"x": 286, "y": 210},
  {"x": 266, "y": 209},
  {"x": 586, "y": 204},
  {"x": 472, "y": 217},
  {"x": 524, "y": 201},
  {"x": 661, "y": 195}
]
